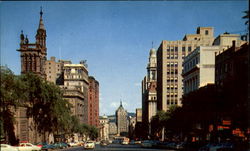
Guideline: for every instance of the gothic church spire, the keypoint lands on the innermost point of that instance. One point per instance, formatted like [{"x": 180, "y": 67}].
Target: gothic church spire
[{"x": 41, "y": 25}]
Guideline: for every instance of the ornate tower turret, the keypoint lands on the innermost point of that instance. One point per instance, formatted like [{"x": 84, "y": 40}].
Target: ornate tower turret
[
  {"x": 152, "y": 65},
  {"x": 21, "y": 37},
  {"x": 41, "y": 33},
  {"x": 34, "y": 55}
]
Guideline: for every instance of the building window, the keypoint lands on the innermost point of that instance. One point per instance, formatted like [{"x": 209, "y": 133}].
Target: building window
[
  {"x": 183, "y": 49},
  {"x": 206, "y": 32},
  {"x": 189, "y": 49},
  {"x": 176, "y": 49}
]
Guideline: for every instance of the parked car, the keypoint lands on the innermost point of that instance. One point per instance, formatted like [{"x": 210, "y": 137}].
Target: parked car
[
  {"x": 147, "y": 144},
  {"x": 80, "y": 143},
  {"x": 137, "y": 142},
  {"x": 45, "y": 146},
  {"x": 124, "y": 142},
  {"x": 60, "y": 145},
  {"x": 6, "y": 147},
  {"x": 73, "y": 144},
  {"x": 132, "y": 142},
  {"x": 28, "y": 147},
  {"x": 104, "y": 143},
  {"x": 89, "y": 145}
]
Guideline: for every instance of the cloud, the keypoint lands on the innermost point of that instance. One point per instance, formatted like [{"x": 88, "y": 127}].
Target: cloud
[
  {"x": 138, "y": 84},
  {"x": 117, "y": 104}
]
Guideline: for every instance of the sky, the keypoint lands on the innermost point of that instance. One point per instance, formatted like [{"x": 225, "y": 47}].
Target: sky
[{"x": 115, "y": 37}]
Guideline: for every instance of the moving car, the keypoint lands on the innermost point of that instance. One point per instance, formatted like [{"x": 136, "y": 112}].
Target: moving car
[
  {"x": 89, "y": 145},
  {"x": 28, "y": 147},
  {"x": 6, "y": 147}
]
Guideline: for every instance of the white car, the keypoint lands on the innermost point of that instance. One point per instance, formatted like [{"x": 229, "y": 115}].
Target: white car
[
  {"x": 73, "y": 144},
  {"x": 89, "y": 145},
  {"x": 125, "y": 142},
  {"x": 28, "y": 147},
  {"x": 6, "y": 147}
]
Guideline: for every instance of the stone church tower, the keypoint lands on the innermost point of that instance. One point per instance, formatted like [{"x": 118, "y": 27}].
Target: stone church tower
[
  {"x": 33, "y": 58},
  {"x": 34, "y": 55}
]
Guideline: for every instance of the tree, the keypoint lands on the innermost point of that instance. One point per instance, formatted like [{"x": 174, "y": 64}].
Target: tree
[
  {"x": 12, "y": 89},
  {"x": 246, "y": 17},
  {"x": 46, "y": 105}
]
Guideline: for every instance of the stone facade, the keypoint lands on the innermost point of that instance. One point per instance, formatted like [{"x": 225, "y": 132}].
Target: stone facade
[
  {"x": 75, "y": 79},
  {"x": 121, "y": 120},
  {"x": 198, "y": 68},
  {"x": 138, "y": 115},
  {"x": 149, "y": 85},
  {"x": 33, "y": 58},
  {"x": 199, "y": 65},
  {"x": 112, "y": 129},
  {"x": 34, "y": 55},
  {"x": 104, "y": 128}
]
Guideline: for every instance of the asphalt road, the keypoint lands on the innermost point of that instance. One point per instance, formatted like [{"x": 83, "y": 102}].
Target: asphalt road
[{"x": 115, "y": 147}]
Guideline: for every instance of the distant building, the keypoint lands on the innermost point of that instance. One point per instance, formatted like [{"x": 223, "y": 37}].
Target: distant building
[
  {"x": 104, "y": 128},
  {"x": 170, "y": 56},
  {"x": 93, "y": 102},
  {"x": 112, "y": 130},
  {"x": 132, "y": 123},
  {"x": 122, "y": 121}
]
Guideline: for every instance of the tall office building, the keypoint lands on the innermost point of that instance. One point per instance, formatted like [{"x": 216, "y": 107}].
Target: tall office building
[
  {"x": 92, "y": 105},
  {"x": 76, "y": 88},
  {"x": 121, "y": 120},
  {"x": 170, "y": 56}
]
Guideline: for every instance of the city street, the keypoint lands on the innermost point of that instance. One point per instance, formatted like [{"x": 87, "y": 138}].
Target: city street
[{"x": 115, "y": 147}]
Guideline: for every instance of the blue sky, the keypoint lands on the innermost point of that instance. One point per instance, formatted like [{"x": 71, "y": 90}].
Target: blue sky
[{"x": 114, "y": 37}]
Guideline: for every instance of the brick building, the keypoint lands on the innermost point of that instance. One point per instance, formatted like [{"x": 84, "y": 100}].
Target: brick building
[{"x": 93, "y": 102}]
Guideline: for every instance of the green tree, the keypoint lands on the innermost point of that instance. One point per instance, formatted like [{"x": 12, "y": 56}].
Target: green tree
[
  {"x": 93, "y": 132},
  {"x": 246, "y": 16},
  {"x": 46, "y": 105},
  {"x": 12, "y": 89}
]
